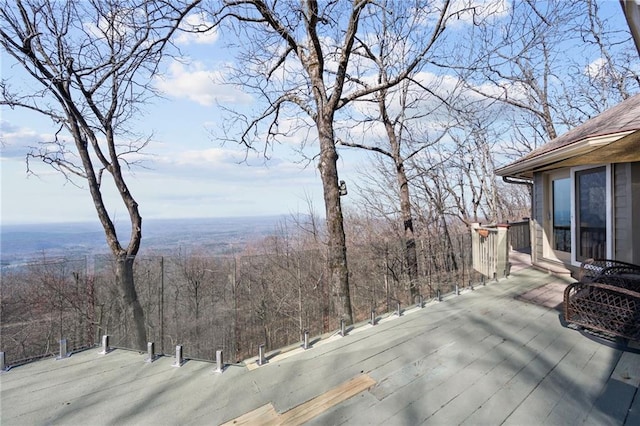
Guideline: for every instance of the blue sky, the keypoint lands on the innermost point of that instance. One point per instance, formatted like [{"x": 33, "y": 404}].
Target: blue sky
[{"x": 186, "y": 172}]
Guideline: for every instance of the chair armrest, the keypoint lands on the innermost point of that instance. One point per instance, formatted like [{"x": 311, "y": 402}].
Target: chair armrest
[
  {"x": 615, "y": 289},
  {"x": 575, "y": 291},
  {"x": 591, "y": 269},
  {"x": 570, "y": 292},
  {"x": 620, "y": 276}
]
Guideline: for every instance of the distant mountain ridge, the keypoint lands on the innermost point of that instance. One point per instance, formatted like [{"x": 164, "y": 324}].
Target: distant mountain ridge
[{"x": 19, "y": 243}]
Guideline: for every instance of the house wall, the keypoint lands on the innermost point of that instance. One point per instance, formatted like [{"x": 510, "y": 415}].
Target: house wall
[
  {"x": 627, "y": 212},
  {"x": 626, "y": 205},
  {"x": 635, "y": 211},
  {"x": 623, "y": 212},
  {"x": 537, "y": 222}
]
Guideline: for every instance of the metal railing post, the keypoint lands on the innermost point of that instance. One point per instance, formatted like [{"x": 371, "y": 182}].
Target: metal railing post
[
  {"x": 178, "y": 361},
  {"x": 305, "y": 342},
  {"x": 343, "y": 328},
  {"x": 2, "y": 361},
  {"x": 150, "y": 352},
  {"x": 105, "y": 345},
  {"x": 373, "y": 317},
  {"x": 219, "y": 362},
  {"x": 261, "y": 359},
  {"x": 398, "y": 310},
  {"x": 63, "y": 349}
]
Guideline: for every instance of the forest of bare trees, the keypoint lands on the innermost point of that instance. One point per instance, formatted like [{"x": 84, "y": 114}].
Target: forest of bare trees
[
  {"x": 438, "y": 93},
  {"x": 269, "y": 293}
]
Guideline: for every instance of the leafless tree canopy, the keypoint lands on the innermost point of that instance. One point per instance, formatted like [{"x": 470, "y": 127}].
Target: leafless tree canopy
[
  {"x": 309, "y": 60},
  {"x": 89, "y": 66},
  {"x": 554, "y": 64}
]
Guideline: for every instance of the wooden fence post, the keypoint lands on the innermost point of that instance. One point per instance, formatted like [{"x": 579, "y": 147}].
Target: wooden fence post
[{"x": 502, "y": 246}]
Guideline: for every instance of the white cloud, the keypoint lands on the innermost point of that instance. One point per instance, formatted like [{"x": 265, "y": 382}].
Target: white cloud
[
  {"x": 196, "y": 29},
  {"x": 209, "y": 157},
  {"x": 15, "y": 140},
  {"x": 474, "y": 11},
  {"x": 596, "y": 69},
  {"x": 200, "y": 85}
]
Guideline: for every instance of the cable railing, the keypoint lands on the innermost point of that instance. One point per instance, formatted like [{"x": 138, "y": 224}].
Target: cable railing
[{"x": 235, "y": 304}]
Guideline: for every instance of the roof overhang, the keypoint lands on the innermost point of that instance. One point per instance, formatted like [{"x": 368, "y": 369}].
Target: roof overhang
[{"x": 613, "y": 148}]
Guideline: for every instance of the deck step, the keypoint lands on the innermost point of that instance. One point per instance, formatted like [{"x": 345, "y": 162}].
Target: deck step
[{"x": 553, "y": 268}]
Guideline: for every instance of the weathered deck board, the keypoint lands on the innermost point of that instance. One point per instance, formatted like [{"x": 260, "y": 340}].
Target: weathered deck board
[
  {"x": 633, "y": 418},
  {"x": 267, "y": 415},
  {"x": 261, "y": 416},
  {"x": 567, "y": 380},
  {"x": 517, "y": 389},
  {"x": 613, "y": 404},
  {"x": 460, "y": 364}
]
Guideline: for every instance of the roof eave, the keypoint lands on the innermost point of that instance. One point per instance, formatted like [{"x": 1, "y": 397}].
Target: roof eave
[{"x": 525, "y": 168}]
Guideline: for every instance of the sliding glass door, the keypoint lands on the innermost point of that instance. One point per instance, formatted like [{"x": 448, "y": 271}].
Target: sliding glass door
[{"x": 591, "y": 213}]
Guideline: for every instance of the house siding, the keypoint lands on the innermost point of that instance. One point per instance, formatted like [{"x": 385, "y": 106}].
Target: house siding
[
  {"x": 538, "y": 218},
  {"x": 634, "y": 230},
  {"x": 627, "y": 212},
  {"x": 622, "y": 208}
]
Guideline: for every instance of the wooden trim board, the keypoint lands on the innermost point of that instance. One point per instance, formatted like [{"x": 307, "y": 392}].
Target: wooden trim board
[{"x": 267, "y": 415}]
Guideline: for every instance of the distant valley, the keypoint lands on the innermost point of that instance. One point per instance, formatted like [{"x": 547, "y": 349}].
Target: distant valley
[{"x": 20, "y": 243}]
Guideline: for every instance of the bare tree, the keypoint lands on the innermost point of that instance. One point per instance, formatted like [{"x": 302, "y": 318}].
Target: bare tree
[
  {"x": 402, "y": 142},
  {"x": 613, "y": 76},
  {"x": 555, "y": 64},
  {"x": 299, "y": 57},
  {"x": 90, "y": 66}
]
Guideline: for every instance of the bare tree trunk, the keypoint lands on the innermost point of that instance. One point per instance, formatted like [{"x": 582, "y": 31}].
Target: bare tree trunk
[
  {"x": 451, "y": 263},
  {"x": 126, "y": 285},
  {"x": 337, "y": 253},
  {"x": 410, "y": 255}
]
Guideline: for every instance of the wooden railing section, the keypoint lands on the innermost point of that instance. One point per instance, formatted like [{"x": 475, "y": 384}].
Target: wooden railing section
[
  {"x": 490, "y": 245},
  {"x": 520, "y": 235}
]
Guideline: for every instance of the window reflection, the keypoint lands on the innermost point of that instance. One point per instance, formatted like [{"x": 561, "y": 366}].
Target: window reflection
[
  {"x": 591, "y": 210},
  {"x": 562, "y": 214}
]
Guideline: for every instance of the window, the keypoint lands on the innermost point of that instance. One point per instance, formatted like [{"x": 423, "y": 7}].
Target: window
[{"x": 561, "y": 214}]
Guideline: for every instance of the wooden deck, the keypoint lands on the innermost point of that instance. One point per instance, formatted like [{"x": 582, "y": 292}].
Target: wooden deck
[{"x": 484, "y": 357}]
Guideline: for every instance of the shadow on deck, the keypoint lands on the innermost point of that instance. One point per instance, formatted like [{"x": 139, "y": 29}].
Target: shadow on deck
[{"x": 484, "y": 357}]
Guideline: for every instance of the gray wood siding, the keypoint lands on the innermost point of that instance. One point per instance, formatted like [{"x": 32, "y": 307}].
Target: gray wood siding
[
  {"x": 634, "y": 230},
  {"x": 622, "y": 211},
  {"x": 626, "y": 205},
  {"x": 538, "y": 217}
]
